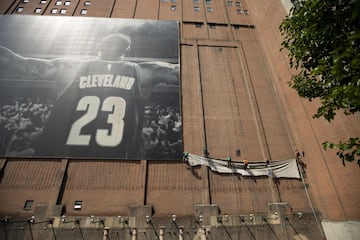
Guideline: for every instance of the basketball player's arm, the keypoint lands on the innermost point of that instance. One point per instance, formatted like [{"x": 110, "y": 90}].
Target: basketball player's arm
[
  {"x": 61, "y": 70},
  {"x": 34, "y": 67},
  {"x": 159, "y": 72}
]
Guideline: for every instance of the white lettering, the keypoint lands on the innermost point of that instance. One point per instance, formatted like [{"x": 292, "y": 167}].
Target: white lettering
[
  {"x": 106, "y": 80},
  {"x": 83, "y": 81}
]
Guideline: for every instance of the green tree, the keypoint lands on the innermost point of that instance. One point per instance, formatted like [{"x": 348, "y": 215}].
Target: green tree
[{"x": 323, "y": 40}]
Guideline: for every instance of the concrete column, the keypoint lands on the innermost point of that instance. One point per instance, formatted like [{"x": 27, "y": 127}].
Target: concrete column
[
  {"x": 106, "y": 233},
  {"x": 134, "y": 234},
  {"x": 202, "y": 234},
  {"x": 161, "y": 237},
  {"x": 181, "y": 233}
]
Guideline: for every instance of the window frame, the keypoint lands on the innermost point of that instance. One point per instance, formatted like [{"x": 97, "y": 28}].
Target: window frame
[
  {"x": 28, "y": 204},
  {"x": 38, "y": 10},
  {"x": 78, "y": 205},
  {"x": 19, "y": 9}
]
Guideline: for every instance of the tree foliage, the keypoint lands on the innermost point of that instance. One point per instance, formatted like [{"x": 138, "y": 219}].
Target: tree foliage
[{"x": 323, "y": 40}]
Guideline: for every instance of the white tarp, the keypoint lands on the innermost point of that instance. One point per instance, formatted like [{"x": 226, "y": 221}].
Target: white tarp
[
  {"x": 341, "y": 230},
  {"x": 275, "y": 169}
]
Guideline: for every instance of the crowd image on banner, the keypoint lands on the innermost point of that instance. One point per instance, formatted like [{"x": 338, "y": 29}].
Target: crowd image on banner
[
  {"x": 161, "y": 133},
  {"x": 21, "y": 122}
]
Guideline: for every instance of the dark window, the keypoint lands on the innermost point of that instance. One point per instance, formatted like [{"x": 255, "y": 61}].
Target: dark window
[
  {"x": 208, "y": 2},
  {"x": 212, "y": 25},
  {"x": 28, "y": 204},
  {"x": 238, "y": 4},
  {"x": 198, "y": 25}
]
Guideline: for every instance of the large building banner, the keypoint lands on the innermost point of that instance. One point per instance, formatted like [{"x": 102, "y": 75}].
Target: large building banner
[{"x": 93, "y": 88}]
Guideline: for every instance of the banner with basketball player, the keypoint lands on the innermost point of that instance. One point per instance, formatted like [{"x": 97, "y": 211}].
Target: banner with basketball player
[{"x": 92, "y": 88}]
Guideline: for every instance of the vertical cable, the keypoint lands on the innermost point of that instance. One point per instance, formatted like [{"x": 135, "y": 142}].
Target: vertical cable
[
  {"x": 12, "y": 4},
  {"x": 112, "y": 9},
  {"x": 204, "y": 121}
]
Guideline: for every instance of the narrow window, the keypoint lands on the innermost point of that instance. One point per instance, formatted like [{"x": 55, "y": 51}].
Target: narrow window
[
  {"x": 28, "y": 204},
  {"x": 83, "y": 11},
  {"x": 54, "y": 11},
  {"x": 78, "y": 205},
  {"x": 37, "y": 10}
]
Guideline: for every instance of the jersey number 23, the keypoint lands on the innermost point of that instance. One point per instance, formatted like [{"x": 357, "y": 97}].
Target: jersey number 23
[{"x": 103, "y": 137}]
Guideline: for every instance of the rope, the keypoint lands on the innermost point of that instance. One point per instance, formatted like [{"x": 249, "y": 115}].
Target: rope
[
  {"x": 273, "y": 194},
  {"x": 291, "y": 138}
]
